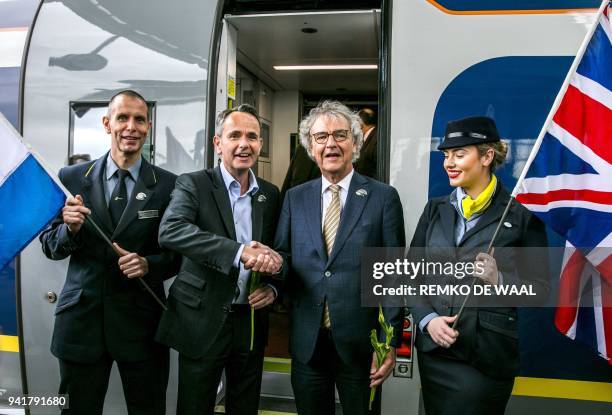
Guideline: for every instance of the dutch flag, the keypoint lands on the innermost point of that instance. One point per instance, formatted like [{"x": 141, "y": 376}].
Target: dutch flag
[{"x": 29, "y": 197}]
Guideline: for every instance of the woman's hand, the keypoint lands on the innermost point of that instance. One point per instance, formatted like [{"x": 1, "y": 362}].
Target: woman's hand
[
  {"x": 486, "y": 268},
  {"x": 441, "y": 332}
]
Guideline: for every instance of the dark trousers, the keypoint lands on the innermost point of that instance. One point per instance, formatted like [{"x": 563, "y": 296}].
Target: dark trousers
[
  {"x": 144, "y": 384},
  {"x": 453, "y": 387},
  {"x": 314, "y": 383},
  {"x": 199, "y": 378}
]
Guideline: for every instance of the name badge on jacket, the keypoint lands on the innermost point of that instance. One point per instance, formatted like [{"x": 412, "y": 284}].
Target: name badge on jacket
[{"x": 147, "y": 214}]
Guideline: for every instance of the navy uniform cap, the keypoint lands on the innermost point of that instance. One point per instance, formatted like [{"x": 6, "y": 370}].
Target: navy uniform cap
[{"x": 468, "y": 132}]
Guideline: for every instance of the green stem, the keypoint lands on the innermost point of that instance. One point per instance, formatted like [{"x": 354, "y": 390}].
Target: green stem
[
  {"x": 252, "y": 327},
  {"x": 372, "y": 395},
  {"x": 253, "y": 287}
]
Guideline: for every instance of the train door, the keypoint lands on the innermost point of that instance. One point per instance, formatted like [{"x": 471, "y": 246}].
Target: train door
[
  {"x": 78, "y": 55},
  {"x": 284, "y": 64}
]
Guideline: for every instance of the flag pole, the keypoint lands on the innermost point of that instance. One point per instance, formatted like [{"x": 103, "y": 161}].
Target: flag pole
[
  {"x": 538, "y": 142},
  {"x": 43, "y": 163},
  {"x": 489, "y": 251}
]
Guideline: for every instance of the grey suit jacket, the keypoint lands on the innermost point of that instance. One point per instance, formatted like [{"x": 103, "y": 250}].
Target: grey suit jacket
[
  {"x": 372, "y": 216},
  {"x": 199, "y": 225}
]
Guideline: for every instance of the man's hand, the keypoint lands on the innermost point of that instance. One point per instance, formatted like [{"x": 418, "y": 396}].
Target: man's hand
[
  {"x": 261, "y": 258},
  {"x": 261, "y": 297},
  {"x": 378, "y": 375},
  {"x": 441, "y": 332},
  {"x": 132, "y": 265},
  {"x": 488, "y": 265},
  {"x": 74, "y": 213}
]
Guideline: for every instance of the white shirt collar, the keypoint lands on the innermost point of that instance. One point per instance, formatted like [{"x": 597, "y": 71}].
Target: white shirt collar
[{"x": 344, "y": 183}]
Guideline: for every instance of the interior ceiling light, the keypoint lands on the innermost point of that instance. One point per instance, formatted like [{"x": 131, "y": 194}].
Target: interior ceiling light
[{"x": 321, "y": 67}]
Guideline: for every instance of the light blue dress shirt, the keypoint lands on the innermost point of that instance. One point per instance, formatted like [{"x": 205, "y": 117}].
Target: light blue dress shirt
[
  {"x": 243, "y": 223},
  {"x": 111, "y": 179}
]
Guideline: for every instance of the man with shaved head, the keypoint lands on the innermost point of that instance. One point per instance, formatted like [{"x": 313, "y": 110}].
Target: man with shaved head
[{"x": 103, "y": 315}]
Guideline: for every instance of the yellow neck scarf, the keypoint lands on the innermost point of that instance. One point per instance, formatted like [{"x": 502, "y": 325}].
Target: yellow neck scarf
[{"x": 471, "y": 206}]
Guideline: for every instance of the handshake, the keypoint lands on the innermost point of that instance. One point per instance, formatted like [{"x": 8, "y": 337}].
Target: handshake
[{"x": 260, "y": 258}]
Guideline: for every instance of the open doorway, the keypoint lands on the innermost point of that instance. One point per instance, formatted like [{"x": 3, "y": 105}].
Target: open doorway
[{"x": 284, "y": 64}]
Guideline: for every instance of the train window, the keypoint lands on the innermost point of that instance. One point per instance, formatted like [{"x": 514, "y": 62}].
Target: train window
[{"x": 89, "y": 141}]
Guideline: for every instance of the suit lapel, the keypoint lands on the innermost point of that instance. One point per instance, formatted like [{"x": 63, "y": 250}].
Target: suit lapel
[
  {"x": 93, "y": 195},
  {"x": 358, "y": 195},
  {"x": 258, "y": 203},
  {"x": 448, "y": 216},
  {"x": 145, "y": 185},
  {"x": 311, "y": 203},
  {"x": 492, "y": 214},
  {"x": 223, "y": 203}
]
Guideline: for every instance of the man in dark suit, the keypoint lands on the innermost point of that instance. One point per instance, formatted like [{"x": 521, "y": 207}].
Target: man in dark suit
[
  {"x": 301, "y": 170},
  {"x": 103, "y": 314},
  {"x": 323, "y": 226},
  {"x": 213, "y": 220},
  {"x": 367, "y": 162}
]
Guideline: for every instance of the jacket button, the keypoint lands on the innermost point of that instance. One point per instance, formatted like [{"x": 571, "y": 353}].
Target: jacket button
[{"x": 327, "y": 273}]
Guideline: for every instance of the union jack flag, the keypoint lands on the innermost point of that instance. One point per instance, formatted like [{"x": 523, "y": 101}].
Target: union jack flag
[{"x": 567, "y": 182}]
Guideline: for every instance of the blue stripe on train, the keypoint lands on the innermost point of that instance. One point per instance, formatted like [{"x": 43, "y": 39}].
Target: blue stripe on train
[
  {"x": 8, "y": 308},
  {"x": 477, "y": 5}
]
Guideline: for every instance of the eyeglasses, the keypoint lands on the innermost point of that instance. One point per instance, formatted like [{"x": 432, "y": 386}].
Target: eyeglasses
[{"x": 339, "y": 135}]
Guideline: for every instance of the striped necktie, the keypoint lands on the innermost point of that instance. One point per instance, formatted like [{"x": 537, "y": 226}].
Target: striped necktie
[{"x": 330, "y": 228}]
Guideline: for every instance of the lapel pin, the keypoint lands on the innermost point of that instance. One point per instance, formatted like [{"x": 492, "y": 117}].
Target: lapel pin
[
  {"x": 361, "y": 192},
  {"x": 507, "y": 224},
  {"x": 261, "y": 198},
  {"x": 141, "y": 196}
]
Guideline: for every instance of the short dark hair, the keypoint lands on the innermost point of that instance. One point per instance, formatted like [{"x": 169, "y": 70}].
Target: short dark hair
[
  {"x": 222, "y": 116},
  {"x": 127, "y": 93},
  {"x": 368, "y": 116},
  {"x": 78, "y": 158}
]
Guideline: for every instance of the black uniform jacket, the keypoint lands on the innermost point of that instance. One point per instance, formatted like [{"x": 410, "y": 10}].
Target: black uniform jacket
[
  {"x": 368, "y": 156},
  {"x": 488, "y": 336},
  {"x": 100, "y": 309}
]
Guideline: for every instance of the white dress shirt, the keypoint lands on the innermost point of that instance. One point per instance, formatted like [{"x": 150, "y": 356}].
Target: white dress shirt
[{"x": 326, "y": 194}]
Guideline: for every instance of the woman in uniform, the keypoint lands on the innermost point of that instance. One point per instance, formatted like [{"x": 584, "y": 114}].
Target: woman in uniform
[{"x": 470, "y": 368}]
